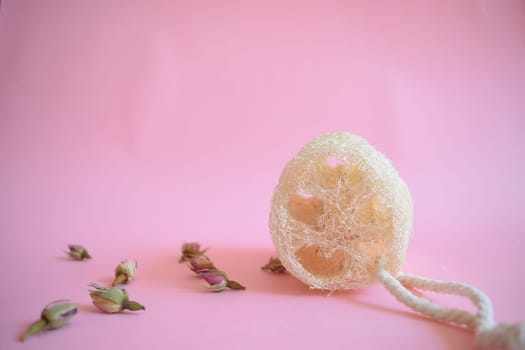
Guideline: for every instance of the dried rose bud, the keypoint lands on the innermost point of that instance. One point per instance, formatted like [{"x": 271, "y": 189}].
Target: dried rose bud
[
  {"x": 201, "y": 264},
  {"x": 218, "y": 281},
  {"x": 274, "y": 265},
  {"x": 125, "y": 272},
  {"x": 54, "y": 315},
  {"x": 191, "y": 251},
  {"x": 113, "y": 300},
  {"x": 78, "y": 252}
]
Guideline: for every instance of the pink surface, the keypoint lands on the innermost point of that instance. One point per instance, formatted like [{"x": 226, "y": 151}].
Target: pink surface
[{"x": 131, "y": 127}]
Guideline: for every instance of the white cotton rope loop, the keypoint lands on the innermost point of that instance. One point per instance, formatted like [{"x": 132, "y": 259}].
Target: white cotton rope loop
[{"x": 489, "y": 335}]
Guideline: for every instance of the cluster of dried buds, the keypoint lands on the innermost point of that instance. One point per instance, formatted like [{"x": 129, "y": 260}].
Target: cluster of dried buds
[
  {"x": 115, "y": 300},
  {"x": 217, "y": 280},
  {"x": 109, "y": 300}
]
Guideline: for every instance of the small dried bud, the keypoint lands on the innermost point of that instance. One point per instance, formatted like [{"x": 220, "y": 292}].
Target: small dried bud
[
  {"x": 218, "y": 281},
  {"x": 274, "y": 265},
  {"x": 201, "y": 264},
  {"x": 54, "y": 315},
  {"x": 78, "y": 252},
  {"x": 113, "y": 300},
  {"x": 191, "y": 251},
  {"x": 125, "y": 272}
]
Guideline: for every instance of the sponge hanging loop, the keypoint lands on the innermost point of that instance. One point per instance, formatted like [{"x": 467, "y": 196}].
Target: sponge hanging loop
[{"x": 489, "y": 335}]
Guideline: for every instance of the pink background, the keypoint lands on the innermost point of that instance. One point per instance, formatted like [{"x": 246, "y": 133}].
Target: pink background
[{"x": 131, "y": 127}]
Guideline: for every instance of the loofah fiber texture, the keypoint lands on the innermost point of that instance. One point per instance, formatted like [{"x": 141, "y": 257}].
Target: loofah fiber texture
[{"x": 338, "y": 207}]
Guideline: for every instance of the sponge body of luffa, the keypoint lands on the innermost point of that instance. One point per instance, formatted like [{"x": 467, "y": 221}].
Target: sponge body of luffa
[{"x": 338, "y": 208}]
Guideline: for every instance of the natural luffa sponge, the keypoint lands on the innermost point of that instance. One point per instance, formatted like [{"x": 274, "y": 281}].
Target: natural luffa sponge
[{"x": 338, "y": 209}]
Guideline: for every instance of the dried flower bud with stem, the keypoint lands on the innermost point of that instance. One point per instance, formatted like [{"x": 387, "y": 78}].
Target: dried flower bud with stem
[
  {"x": 218, "y": 281},
  {"x": 201, "y": 264},
  {"x": 191, "y": 251},
  {"x": 125, "y": 272},
  {"x": 54, "y": 315},
  {"x": 78, "y": 252},
  {"x": 113, "y": 300},
  {"x": 274, "y": 265}
]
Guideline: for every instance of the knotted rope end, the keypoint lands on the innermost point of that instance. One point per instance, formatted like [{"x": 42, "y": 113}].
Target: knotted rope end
[{"x": 504, "y": 336}]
